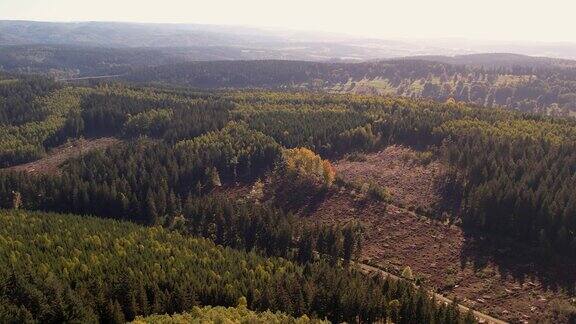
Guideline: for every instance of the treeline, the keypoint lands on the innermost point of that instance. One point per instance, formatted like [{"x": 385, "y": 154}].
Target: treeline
[
  {"x": 237, "y": 74},
  {"x": 118, "y": 111},
  {"x": 219, "y": 314},
  {"x": 83, "y": 269},
  {"x": 317, "y": 128}
]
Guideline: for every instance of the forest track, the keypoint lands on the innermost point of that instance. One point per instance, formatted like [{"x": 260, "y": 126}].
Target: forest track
[
  {"x": 50, "y": 164},
  {"x": 91, "y": 77},
  {"x": 481, "y": 317}
]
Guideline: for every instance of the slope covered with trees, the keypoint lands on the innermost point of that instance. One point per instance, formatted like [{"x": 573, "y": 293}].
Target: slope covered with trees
[
  {"x": 38, "y": 114},
  {"x": 144, "y": 178},
  {"x": 528, "y": 85},
  {"x": 85, "y": 269},
  {"x": 514, "y": 170},
  {"x": 182, "y": 151},
  {"x": 33, "y": 111}
]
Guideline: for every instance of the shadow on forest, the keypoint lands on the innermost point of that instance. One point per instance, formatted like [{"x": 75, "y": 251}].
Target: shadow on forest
[
  {"x": 305, "y": 202},
  {"x": 313, "y": 202},
  {"x": 524, "y": 263}
]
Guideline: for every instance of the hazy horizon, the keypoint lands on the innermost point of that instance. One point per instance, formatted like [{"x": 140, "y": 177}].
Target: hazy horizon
[
  {"x": 491, "y": 20},
  {"x": 304, "y": 31}
]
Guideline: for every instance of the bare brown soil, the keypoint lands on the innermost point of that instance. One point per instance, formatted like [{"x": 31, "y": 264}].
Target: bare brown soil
[
  {"x": 511, "y": 284},
  {"x": 440, "y": 299},
  {"x": 412, "y": 183},
  {"x": 57, "y": 156}
]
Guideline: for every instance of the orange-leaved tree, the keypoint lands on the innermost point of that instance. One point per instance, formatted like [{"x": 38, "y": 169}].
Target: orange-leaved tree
[
  {"x": 299, "y": 177},
  {"x": 304, "y": 166}
]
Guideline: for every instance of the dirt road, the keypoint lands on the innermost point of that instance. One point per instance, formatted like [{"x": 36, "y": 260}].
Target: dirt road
[
  {"x": 51, "y": 162},
  {"x": 91, "y": 77},
  {"x": 481, "y": 317}
]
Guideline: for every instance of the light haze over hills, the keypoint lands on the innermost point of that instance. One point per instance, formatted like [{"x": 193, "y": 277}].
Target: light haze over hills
[{"x": 258, "y": 43}]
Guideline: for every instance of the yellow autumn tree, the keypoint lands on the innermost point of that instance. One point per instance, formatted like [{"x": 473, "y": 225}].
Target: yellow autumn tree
[
  {"x": 299, "y": 177},
  {"x": 304, "y": 165}
]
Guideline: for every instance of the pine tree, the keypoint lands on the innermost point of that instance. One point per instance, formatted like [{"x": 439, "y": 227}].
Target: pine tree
[
  {"x": 407, "y": 273},
  {"x": 16, "y": 200},
  {"x": 151, "y": 211},
  {"x": 305, "y": 247},
  {"x": 115, "y": 313},
  {"x": 213, "y": 177}
]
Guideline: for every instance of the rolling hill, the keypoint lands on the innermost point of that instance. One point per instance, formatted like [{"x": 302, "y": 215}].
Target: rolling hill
[{"x": 511, "y": 81}]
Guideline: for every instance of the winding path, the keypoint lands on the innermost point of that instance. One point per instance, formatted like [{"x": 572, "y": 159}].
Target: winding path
[
  {"x": 481, "y": 317},
  {"x": 91, "y": 77}
]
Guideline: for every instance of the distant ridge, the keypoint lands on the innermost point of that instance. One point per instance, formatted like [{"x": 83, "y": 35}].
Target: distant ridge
[
  {"x": 264, "y": 43},
  {"x": 495, "y": 60}
]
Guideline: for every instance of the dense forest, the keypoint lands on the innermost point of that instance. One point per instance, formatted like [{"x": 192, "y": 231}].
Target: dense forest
[
  {"x": 545, "y": 87},
  {"x": 165, "y": 188},
  {"x": 515, "y": 170},
  {"x": 64, "y": 268},
  {"x": 61, "y": 61},
  {"x": 530, "y": 84},
  {"x": 33, "y": 111}
]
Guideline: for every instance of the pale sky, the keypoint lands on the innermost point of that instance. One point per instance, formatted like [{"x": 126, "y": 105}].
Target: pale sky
[{"x": 535, "y": 20}]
